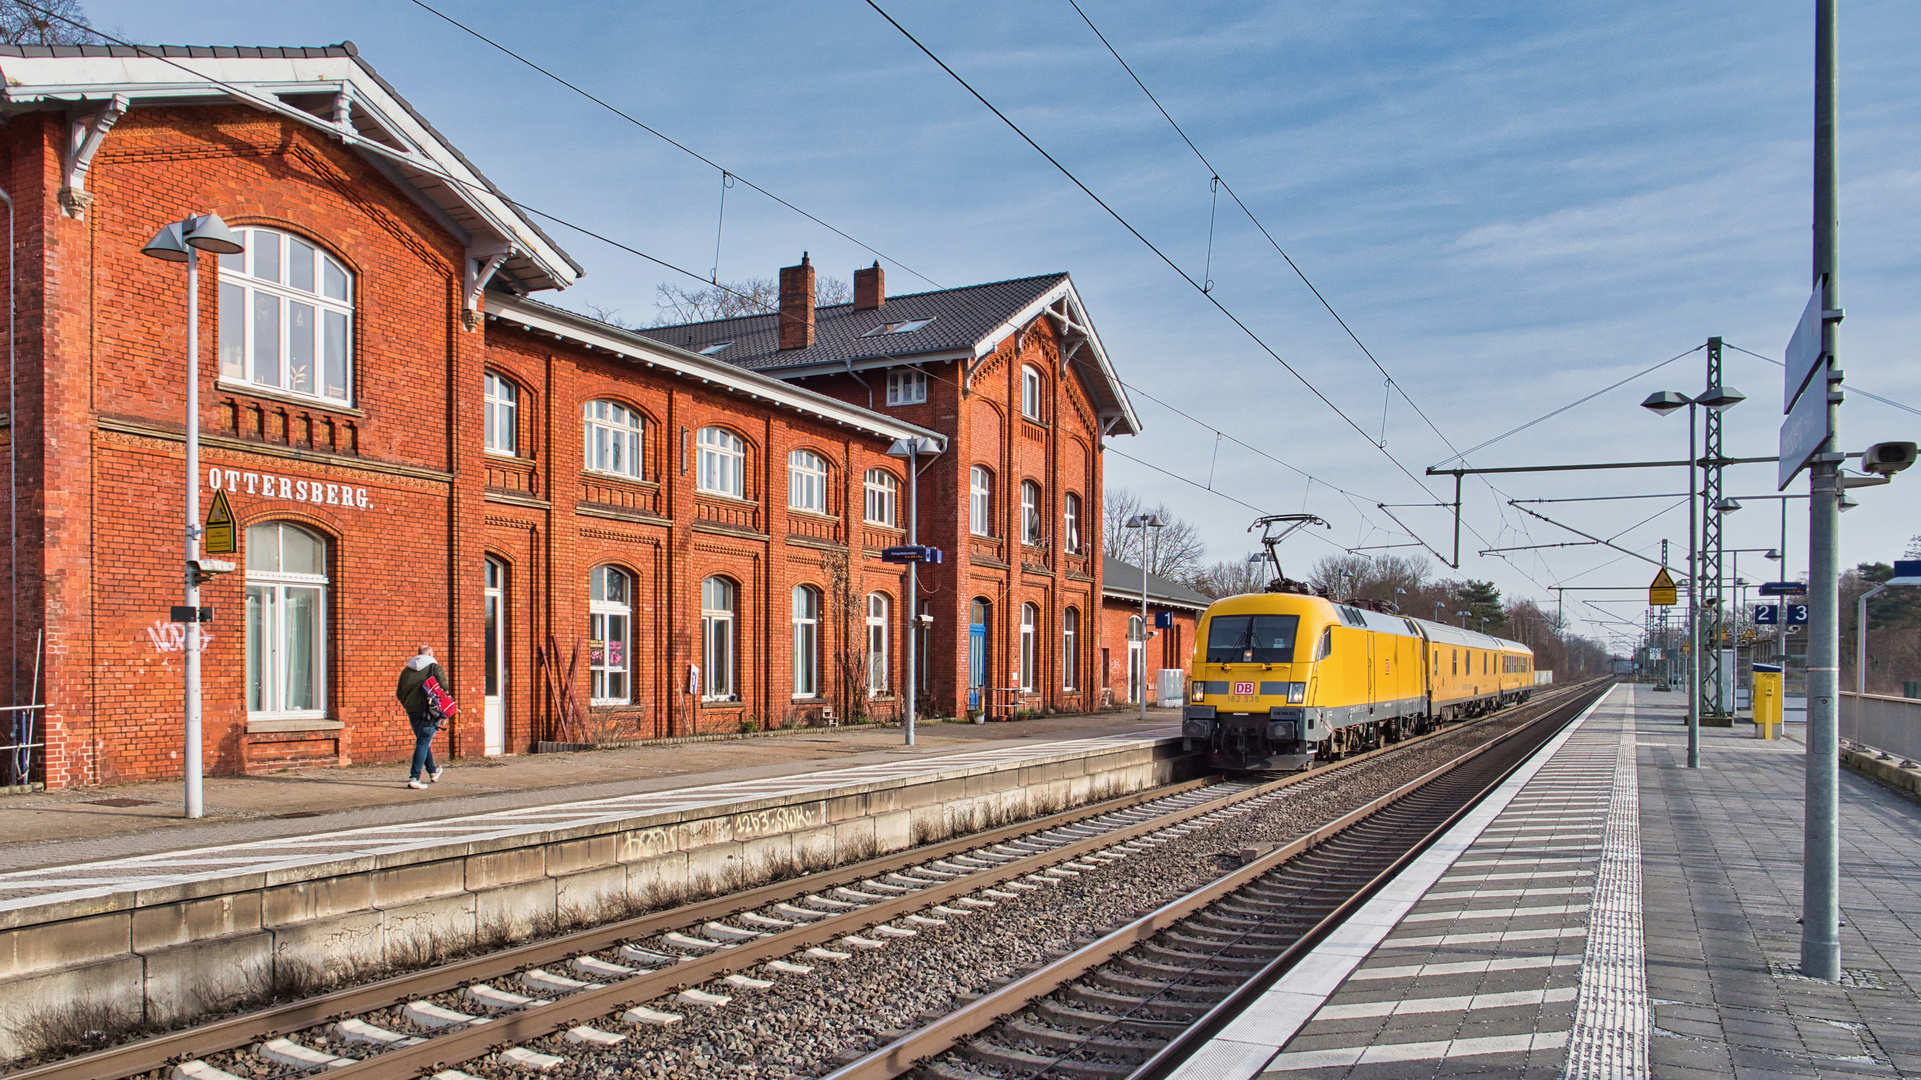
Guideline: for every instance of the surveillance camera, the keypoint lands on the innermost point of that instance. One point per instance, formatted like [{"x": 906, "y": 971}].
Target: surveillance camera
[{"x": 1888, "y": 458}]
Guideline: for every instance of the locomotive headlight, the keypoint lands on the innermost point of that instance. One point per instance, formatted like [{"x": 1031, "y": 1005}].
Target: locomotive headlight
[
  {"x": 1296, "y": 693},
  {"x": 1200, "y": 690}
]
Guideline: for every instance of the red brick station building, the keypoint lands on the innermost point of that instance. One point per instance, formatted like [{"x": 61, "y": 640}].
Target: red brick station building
[{"x": 605, "y": 534}]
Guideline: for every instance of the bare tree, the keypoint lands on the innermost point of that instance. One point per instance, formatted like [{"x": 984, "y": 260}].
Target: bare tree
[
  {"x": 1173, "y": 551},
  {"x": 677, "y": 304},
  {"x": 1232, "y": 577},
  {"x": 1386, "y": 579},
  {"x": 846, "y": 614},
  {"x": 47, "y": 22},
  {"x": 610, "y": 316}
]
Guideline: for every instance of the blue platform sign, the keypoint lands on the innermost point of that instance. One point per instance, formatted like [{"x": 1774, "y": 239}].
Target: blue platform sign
[
  {"x": 1767, "y": 614},
  {"x": 1797, "y": 614}
]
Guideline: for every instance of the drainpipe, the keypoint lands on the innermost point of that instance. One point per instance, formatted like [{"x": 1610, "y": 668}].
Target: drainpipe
[
  {"x": 13, "y": 484},
  {"x": 862, "y": 382}
]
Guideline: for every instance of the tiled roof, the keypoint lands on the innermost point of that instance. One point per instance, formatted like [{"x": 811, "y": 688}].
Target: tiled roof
[
  {"x": 961, "y": 319},
  {"x": 1122, "y": 580}
]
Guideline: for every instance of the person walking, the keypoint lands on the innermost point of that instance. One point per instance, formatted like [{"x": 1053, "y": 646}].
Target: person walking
[{"x": 412, "y": 693}]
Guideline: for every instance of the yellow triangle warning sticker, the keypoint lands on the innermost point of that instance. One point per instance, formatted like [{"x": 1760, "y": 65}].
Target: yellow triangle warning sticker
[
  {"x": 220, "y": 537},
  {"x": 1661, "y": 591}
]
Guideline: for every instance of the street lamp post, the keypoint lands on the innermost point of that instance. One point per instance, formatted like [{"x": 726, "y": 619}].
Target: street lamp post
[
  {"x": 183, "y": 241},
  {"x": 1144, "y": 522},
  {"x": 1463, "y": 617},
  {"x": 1717, "y": 398},
  {"x": 912, "y": 449}
]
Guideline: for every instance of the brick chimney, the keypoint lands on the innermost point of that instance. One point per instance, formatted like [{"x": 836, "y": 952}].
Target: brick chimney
[
  {"x": 797, "y": 305},
  {"x": 870, "y": 287}
]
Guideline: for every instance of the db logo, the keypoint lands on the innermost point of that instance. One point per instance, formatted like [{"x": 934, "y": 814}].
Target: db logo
[{"x": 1243, "y": 689}]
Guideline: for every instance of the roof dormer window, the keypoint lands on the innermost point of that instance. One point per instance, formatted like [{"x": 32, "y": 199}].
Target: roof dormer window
[{"x": 905, "y": 327}]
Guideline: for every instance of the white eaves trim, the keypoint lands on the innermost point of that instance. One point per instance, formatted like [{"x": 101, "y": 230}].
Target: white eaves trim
[
  {"x": 1038, "y": 307},
  {"x": 257, "y": 81},
  {"x": 565, "y": 325}
]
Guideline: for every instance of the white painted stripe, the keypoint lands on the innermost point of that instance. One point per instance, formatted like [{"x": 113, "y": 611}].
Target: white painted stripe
[
  {"x": 1486, "y": 938},
  {"x": 1425, "y": 1051},
  {"x": 1495, "y": 913},
  {"x": 1464, "y": 967},
  {"x": 1255, "y": 1036},
  {"x": 1609, "y": 1040},
  {"x": 1458, "y": 1003}
]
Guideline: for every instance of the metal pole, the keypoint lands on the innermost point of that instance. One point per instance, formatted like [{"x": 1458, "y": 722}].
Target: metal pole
[
  {"x": 1143, "y": 620},
  {"x": 193, "y": 799},
  {"x": 913, "y": 582},
  {"x": 1694, "y": 607},
  {"x": 1861, "y": 643},
  {"x": 1821, "y": 848}
]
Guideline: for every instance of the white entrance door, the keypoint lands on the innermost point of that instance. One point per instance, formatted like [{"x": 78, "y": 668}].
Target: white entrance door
[
  {"x": 496, "y": 635},
  {"x": 1136, "y": 659}
]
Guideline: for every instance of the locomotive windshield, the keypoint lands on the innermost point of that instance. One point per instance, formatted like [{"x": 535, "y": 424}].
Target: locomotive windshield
[{"x": 1251, "y": 639}]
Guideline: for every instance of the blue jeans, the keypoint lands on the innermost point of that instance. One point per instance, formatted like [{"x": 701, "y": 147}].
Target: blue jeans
[{"x": 424, "y": 730}]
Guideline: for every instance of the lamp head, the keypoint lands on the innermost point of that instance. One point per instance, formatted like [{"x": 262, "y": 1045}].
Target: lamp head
[
  {"x": 1721, "y": 398},
  {"x": 1773, "y": 553},
  {"x": 1665, "y": 402},
  {"x": 167, "y": 245},
  {"x": 208, "y": 233},
  {"x": 1727, "y": 505}
]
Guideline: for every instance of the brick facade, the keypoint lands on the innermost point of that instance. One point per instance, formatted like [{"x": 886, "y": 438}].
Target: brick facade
[{"x": 414, "y": 513}]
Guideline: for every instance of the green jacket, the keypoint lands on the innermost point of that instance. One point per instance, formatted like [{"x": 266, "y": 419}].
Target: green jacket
[{"x": 411, "y": 690}]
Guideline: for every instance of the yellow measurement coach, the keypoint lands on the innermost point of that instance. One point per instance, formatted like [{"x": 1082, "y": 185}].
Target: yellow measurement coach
[{"x": 1282, "y": 680}]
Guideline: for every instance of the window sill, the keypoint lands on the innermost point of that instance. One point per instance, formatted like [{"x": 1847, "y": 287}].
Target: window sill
[
  {"x": 265, "y": 725},
  {"x": 722, "y": 496},
  {"x": 819, "y": 514},
  {"x": 623, "y": 478},
  {"x": 723, "y": 703},
  {"x": 270, "y": 394}
]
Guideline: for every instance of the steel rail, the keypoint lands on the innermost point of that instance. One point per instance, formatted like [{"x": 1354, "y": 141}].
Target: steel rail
[
  {"x": 913, "y": 1049},
  {"x": 159, "y": 1051}
]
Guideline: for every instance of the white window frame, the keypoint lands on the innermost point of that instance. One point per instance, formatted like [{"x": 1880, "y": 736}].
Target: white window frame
[
  {"x": 719, "y": 681},
  {"x": 882, "y": 497},
  {"x": 1031, "y": 392},
  {"x": 1030, "y": 512},
  {"x": 1071, "y": 649},
  {"x": 599, "y": 614},
  {"x": 879, "y": 610},
  {"x": 980, "y": 501},
  {"x": 610, "y": 433},
  {"x": 332, "y": 316},
  {"x": 500, "y": 398},
  {"x": 1071, "y": 523},
  {"x": 906, "y": 386},
  {"x": 1030, "y": 647},
  {"x": 722, "y": 465},
  {"x": 806, "y": 482},
  {"x": 275, "y": 585},
  {"x": 806, "y": 642}
]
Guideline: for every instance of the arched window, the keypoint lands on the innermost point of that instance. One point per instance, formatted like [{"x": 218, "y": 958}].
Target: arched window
[
  {"x": 286, "y": 317},
  {"x": 1030, "y": 512},
  {"x": 286, "y": 621},
  {"x": 1030, "y": 645},
  {"x": 1031, "y": 392},
  {"x": 1071, "y": 649},
  {"x": 878, "y": 610},
  {"x": 980, "y": 501},
  {"x": 717, "y": 639},
  {"x": 612, "y": 439},
  {"x": 610, "y": 622},
  {"x": 1071, "y": 524},
  {"x": 501, "y": 400},
  {"x": 723, "y": 463},
  {"x": 881, "y": 489},
  {"x": 806, "y": 642},
  {"x": 807, "y": 481}
]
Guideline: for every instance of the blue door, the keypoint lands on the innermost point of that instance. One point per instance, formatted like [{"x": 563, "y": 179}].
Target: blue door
[{"x": 976, "y": 653}]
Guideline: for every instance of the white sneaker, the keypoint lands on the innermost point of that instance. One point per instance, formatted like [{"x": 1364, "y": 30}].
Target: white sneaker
[
  {"x": 416, "y": 785},
  {"x": 435, "y": 778}
]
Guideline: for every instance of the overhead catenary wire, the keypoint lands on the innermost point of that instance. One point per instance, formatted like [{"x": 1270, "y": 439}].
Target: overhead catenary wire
[
  {"x": 676, "y": 144},
  {"x": 1853, "y": 389}
]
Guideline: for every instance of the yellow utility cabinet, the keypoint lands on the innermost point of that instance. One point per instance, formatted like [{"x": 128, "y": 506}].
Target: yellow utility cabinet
[{"x": 1767, "y": 699}]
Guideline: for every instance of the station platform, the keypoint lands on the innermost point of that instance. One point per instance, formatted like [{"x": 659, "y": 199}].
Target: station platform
[{"x": 1609, "y": 913}]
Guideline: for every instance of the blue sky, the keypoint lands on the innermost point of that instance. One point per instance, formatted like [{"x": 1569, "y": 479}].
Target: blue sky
[{"x": 1513, "y": 205}]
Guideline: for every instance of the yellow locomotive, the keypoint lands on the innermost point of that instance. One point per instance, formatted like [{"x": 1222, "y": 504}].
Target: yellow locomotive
[{"x": 1282, "y": 679}]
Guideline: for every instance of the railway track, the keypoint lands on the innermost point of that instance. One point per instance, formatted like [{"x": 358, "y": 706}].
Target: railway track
[
  {"x": 585, "y": 993},
  {"x": 1135, "y": 1003}
]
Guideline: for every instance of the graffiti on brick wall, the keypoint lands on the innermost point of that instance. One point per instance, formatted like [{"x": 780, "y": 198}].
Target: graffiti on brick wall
[{"x": 171, "y": 637}]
